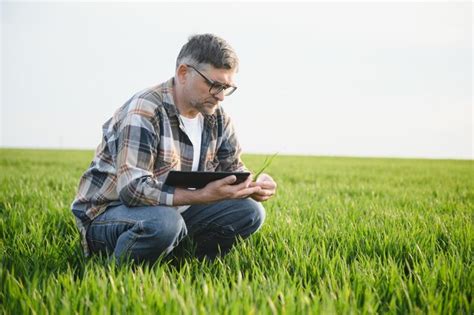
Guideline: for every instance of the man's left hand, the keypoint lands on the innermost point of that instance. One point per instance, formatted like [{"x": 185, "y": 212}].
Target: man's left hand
[{"x": 268, "y": 186}]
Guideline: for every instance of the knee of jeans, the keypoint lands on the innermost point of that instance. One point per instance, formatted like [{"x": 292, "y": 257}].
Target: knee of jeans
[
  {"x": 260, "y": 214},
  {"x": 167, "y": 230},
  {"x": 256, "y": 214}
]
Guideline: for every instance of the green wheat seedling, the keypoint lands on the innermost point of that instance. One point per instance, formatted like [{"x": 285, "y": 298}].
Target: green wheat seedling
[
  {"x": 342, "y": 236},
  {"x": 268, "y": 161}
]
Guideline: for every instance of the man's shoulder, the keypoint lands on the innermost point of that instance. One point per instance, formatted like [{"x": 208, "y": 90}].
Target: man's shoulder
[
  {"x": 156, "y": 95},
  {"x": 147, "y": 103},
  {"x": 149, "y": 100}
]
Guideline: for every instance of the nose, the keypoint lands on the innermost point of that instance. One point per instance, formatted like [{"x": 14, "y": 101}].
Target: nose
[{"x": 219, "y": 96}]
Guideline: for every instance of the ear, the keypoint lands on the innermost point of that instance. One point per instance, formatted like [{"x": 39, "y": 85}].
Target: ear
[{"x": 182, "y": 73}]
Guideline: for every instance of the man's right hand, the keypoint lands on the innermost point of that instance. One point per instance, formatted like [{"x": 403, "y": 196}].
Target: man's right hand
[{"x": 218, "y": 190}]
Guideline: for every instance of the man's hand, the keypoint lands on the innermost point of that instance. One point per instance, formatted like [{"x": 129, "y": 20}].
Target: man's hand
[
  {"x": 223, "y": 189},
  {"x": 267, "y": 185},
  {"x": 218, "y": 190}
]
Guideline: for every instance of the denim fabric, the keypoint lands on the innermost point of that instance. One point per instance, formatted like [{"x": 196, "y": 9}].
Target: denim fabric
[{"x": 146, "y": 233}]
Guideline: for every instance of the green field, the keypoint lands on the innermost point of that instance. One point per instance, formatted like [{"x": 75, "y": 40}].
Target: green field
[{"x": 343, "y": 235}]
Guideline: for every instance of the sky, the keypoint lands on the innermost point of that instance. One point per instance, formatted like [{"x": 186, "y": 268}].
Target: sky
[{"x": 376, "y": 79}]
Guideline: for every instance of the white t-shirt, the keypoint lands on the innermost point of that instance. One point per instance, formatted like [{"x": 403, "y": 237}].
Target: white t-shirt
[{"x": 193, "y": 128}]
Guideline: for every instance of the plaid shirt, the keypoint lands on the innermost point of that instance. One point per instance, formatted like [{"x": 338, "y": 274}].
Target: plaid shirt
[{"x": 141, "y": 143}]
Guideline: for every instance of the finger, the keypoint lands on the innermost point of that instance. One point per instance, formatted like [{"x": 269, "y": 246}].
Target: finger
[
  {"x": 261, "y": 198},
  {"x": 249, "y": 180},
  {"x": 267, "y": 185},
  {"x": 261, "y": 193},
  {"x": 247, "y": 192},
  {"x": 255, "y": 184},
  {"x": 244, "y": 184},
  {"x": 264, "y": 178},
  {"x": 266, "y": 192},
  {"x": 229, "y": 180}
]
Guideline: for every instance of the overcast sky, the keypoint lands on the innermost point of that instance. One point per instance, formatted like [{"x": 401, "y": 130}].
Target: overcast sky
[{"x": 358, "y": 79}]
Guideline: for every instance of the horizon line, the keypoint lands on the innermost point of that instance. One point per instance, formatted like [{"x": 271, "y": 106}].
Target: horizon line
[{"x": 407, "y": 157}]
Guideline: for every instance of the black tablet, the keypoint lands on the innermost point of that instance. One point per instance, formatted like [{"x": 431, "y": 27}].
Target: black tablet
[{"x": 200, "y": 179}]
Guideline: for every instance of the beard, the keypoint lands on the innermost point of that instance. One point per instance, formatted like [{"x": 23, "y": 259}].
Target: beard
[{"x": 206, "y": 107}]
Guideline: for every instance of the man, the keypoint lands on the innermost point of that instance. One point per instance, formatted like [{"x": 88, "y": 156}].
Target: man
[{"x": 123, "y": 207}]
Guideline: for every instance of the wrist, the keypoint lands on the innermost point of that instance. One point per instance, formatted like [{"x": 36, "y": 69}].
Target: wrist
[
  {"x": 200, "y": 196},
  {"x": 184, "y": 196}
]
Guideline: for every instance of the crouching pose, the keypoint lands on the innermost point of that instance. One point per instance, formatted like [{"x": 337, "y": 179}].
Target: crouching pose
[{"x": 123, "y": 206}]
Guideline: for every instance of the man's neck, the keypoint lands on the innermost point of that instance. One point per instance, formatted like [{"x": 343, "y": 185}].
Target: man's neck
[{"x": 184, "y": 110}]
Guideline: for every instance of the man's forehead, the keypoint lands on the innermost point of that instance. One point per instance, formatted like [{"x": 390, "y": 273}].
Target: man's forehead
[{"x": 224, "y": 76}]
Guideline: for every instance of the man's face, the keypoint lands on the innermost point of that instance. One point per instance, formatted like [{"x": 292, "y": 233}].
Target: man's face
[{"x": 197, "y": 90}]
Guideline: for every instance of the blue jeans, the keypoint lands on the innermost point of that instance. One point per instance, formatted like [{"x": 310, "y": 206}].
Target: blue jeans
[{"x": 143, "y": 234}]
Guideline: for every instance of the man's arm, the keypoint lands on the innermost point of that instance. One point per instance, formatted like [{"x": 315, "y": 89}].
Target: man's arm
[
  {"x": 215, "y": 191},
  {"x": 136, "y": 149}
]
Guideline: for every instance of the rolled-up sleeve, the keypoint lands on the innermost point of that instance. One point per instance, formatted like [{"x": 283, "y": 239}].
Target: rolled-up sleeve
[
  {"x": 229, "y": 151},
  {"x": 137, "y": 143}
]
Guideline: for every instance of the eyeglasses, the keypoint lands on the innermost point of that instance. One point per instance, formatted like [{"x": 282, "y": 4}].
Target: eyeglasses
[{"x": 216, "y": 87}]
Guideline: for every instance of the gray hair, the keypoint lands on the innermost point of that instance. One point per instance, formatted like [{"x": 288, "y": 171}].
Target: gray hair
[{"x": 208, "y": 49}]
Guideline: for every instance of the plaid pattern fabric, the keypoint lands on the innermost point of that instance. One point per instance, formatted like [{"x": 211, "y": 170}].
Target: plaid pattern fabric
[{"x": 141, "y": 143}]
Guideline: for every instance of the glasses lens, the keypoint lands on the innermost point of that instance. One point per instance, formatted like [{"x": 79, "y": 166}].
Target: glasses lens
[
  {"x": 229, "y": 90},
  {"x": 216, "y": 89}
]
